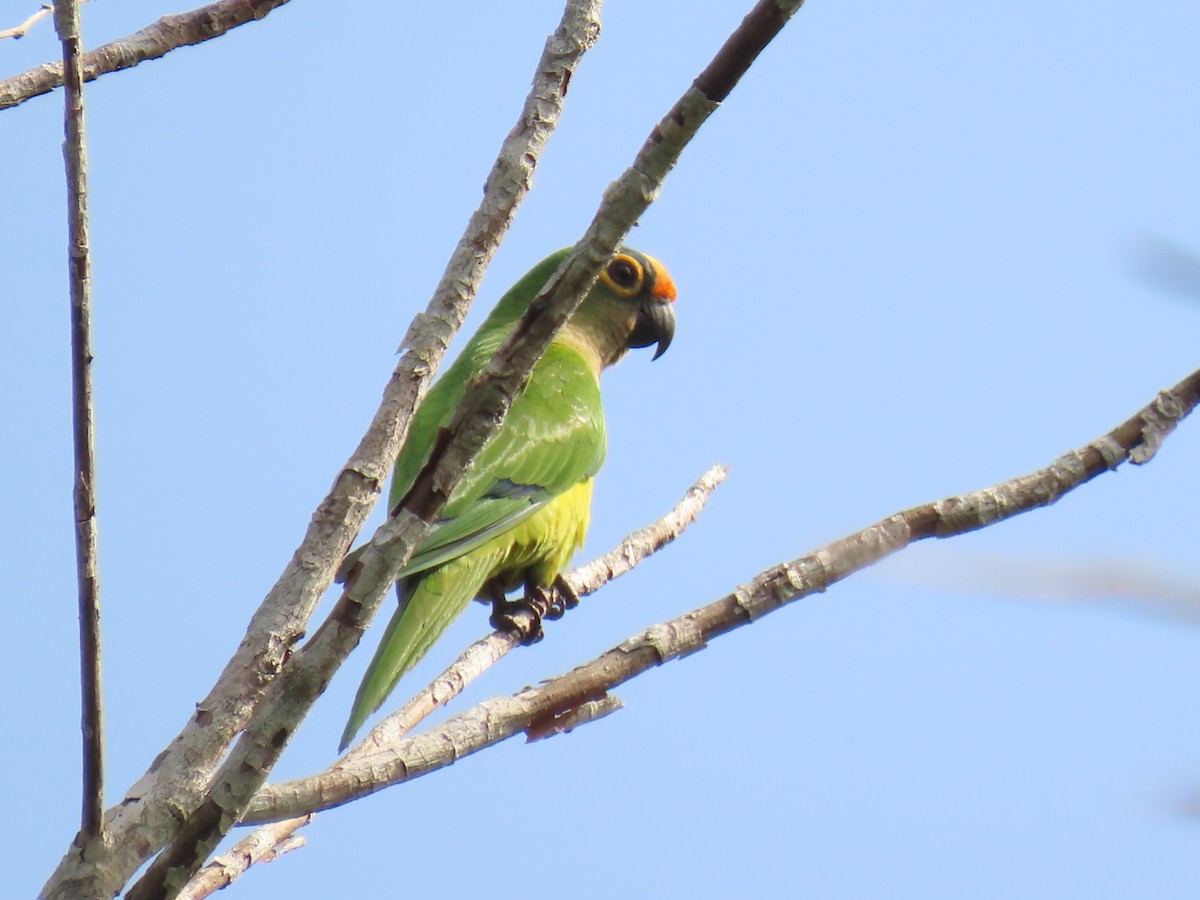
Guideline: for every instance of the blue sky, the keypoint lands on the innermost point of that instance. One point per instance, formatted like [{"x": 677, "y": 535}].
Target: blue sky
[{"x": 908, "y": 251}]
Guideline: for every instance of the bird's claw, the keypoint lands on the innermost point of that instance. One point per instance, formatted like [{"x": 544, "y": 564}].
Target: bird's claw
[
  {"x": 552, "y": 602},
  {"x": 559, "y": 598},
  {"x": 505, "y": 618}
]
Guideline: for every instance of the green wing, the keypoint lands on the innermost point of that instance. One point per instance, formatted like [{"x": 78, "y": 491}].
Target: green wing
[{"x": 552, "y": 439}]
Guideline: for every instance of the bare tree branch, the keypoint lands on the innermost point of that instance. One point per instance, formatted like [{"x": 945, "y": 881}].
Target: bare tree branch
[
  {"x": 476, "y": 419},
  {"x": 264, "y": 844},
  {"x": 177, "y": 779},
  {"x": 486, "y": 652},
  {"x": 87, "y": 560},
  {"x": 19, "y": 31},
  {"x": 592, "y": 576},
  {"x": 537, "y": 710},
  {"x": 152, "y": 42}
]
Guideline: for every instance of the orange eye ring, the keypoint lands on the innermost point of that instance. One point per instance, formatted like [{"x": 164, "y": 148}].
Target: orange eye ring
[{"x": 624, "y": 275}]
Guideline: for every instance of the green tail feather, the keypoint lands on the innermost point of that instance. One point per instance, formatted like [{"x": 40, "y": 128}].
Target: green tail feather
[{"x": 433, "y": 601}]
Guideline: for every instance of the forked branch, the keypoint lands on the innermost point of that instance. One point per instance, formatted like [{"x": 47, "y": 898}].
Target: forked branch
[
  {"x": 19, "y": 31},
  {"x": 152, "y": 42}
]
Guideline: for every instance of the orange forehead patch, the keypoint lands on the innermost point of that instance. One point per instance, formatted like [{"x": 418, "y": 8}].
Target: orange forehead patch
[{"x": 664, "y": 286}]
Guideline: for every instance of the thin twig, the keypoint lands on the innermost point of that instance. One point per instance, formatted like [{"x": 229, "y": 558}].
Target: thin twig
[
  {"x": 66, "y": 20},
  {"x": 152, "y": 42},
  {"x": 23, "y": 29},
  {"x": 265, "y": 844},
  {"x": 639, "y": 544},
  {"x": 486, "y": 652},
  {"x": 537, "y": 710}
]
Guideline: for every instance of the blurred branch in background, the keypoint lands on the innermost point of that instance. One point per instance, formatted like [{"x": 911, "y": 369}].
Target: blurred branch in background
[
  {"x": 1138, "y": 586},
  {"x": 1167, "y": 265}
]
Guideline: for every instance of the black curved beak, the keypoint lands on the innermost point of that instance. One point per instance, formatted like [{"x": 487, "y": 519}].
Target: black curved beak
[{"x": 655, "y": 324}]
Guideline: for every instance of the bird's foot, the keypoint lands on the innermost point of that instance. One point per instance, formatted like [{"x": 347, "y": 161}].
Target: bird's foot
[{"x": 542, "y": 602}]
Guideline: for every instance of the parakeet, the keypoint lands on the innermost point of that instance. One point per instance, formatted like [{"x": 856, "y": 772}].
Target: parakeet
[{"x": 521, "y": 512}]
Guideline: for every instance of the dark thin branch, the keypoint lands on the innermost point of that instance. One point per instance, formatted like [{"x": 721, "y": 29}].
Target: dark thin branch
[
  {"x": 760, "y": 26},
  {"x": 79, "y": 265},
  {"x": 476, "y": 419},
  {"x": 537, "y": 710},
  {"x": 152, "y": 42}
]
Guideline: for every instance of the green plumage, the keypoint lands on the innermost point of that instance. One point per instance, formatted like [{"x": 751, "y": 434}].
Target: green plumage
[{"x": 522, "y": 510}]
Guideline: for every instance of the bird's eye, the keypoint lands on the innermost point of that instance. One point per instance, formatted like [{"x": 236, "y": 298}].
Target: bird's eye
[{"x": 624, "y": 275}]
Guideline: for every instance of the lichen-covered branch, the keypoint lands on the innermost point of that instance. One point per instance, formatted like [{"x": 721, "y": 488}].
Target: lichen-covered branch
[
  {"x": 152, "y": 42},
  {"x": 541, "y": 709}
]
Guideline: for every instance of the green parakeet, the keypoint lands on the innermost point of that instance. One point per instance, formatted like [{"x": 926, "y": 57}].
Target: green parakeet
[{"x": 521, "y": 512}]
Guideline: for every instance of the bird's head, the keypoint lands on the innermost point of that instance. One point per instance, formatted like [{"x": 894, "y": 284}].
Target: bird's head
[{"x": 630, "y": 306}]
